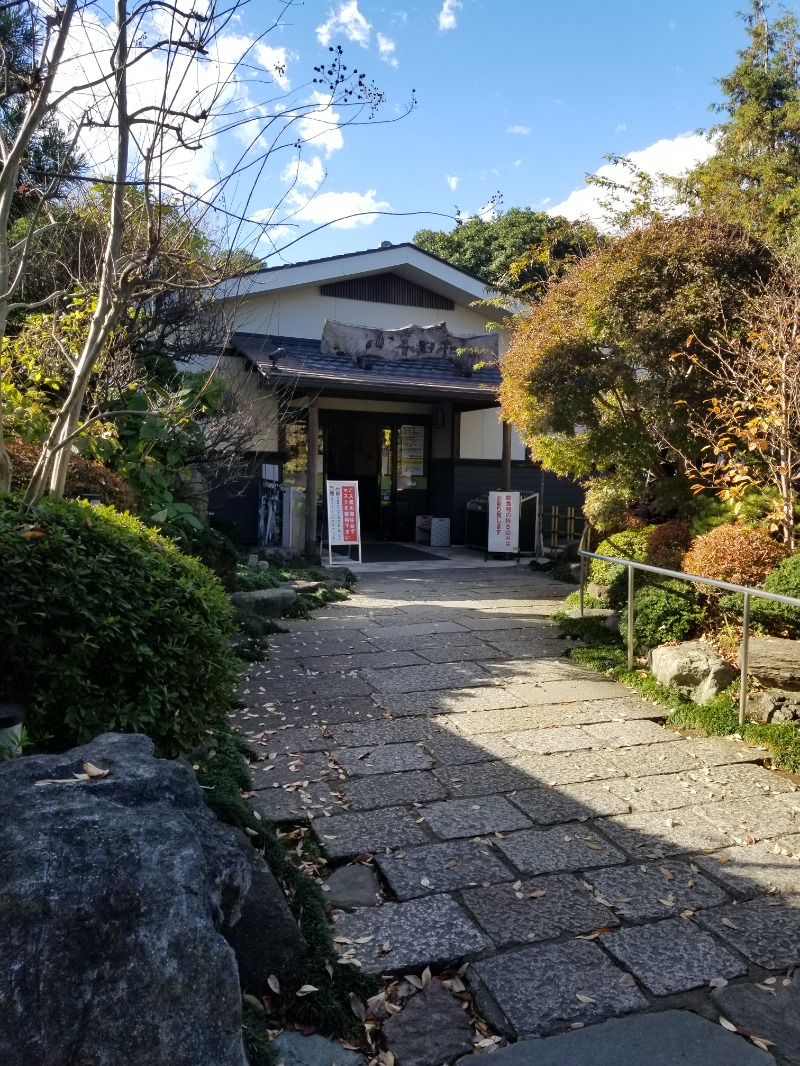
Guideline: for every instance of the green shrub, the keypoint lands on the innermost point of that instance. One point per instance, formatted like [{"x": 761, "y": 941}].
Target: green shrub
[
  {"x": 778, "y": 617},
  {"x": 213, "y": 549},
  {"x": 252, "y": 578},
  {"x": 629, "y": 544},
  {"x": 668, "y": 543},
  {"x": 743, "y": 555},
  {"x": 105, "y": 625},
  {"x": 661, "y": 613},
  {"x": 84, "y": 477}
]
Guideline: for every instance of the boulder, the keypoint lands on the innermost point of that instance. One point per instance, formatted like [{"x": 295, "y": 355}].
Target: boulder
[
  {"x": 269, "y": 603},
  {"x": 694, "y": 668},
  {"x": 598, "y": 591},
  {"x": 771, "y": 1012},
  {"x": 112, "y": 893},
  {"x": 773, "y": 662},
  {"x": 266, "y": 938},
  {"x": 431, "y": 1030},
  {"x": 299, "y": 1049},
  {"x": 774, "y": 705},
  {"x": 590, "y": 612}
]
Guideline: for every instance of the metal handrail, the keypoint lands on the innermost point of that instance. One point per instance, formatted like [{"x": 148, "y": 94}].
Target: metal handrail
[{"x": 728, "y": 586}]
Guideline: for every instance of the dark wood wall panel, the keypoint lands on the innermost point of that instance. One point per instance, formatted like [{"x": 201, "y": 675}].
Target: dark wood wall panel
[{"x": 387, "y": 289}]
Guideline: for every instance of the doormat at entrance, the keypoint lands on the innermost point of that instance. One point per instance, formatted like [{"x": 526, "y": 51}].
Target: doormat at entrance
[{"x": 390, "y": 553}]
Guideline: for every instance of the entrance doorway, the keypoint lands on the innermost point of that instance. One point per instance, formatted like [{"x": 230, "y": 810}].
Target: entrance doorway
[{"x": 388, "y": 456}]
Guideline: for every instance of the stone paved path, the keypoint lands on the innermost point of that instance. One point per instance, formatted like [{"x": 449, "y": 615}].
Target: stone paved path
[{"x": 524, "y": 814}]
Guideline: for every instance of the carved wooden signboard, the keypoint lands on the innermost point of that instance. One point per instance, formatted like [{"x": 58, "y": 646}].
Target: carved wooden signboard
[{"x": 408, "y": 342}]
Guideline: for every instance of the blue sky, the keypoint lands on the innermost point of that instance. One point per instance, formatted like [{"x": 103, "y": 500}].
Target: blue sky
[{"x": 521, "y": 97}]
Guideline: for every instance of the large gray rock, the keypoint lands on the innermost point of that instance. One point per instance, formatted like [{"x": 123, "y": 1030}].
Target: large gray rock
[
  {"x": 772, "y": 1012},
  {"x": 774, "y": 663},
  {"x": 774, "y": 705},
  {"x": 694, "y": 668},
  {"x": 269, "y": 603},
  {"x": 112, "y": 891},
  {"x": 432, "y": 1030},
  {"x": 266, "y": 938},
  {"x": 297, "y": 1049}
]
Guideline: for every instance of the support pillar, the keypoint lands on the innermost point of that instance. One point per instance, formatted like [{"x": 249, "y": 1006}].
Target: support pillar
[
  {"x": 311, "y": 477},
  {"x": 506, "y": 464}
]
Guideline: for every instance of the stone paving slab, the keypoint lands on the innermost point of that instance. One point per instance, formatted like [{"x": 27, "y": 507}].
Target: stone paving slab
[
  {"x": 536, "y": 989},
  {"x": 447, "y": 867},
  {"x": 766, "y": 931},
  {"x": 656, "y": 835},
  {"x": 344, "y": 836},
  {"x": 301, "y": 685},
  {"x": 415, "y": 629},
  {"x": 388, "y": 759},
  {"x": 535, "y": 670},
  {"x": 759, "y": 817},
  {"x": 392, "y": 790},
  {"x": 563, "y": 691},
  {"x": 293, "y": 646},
  {"x": 315, "y": 800},
  {"x": 419, "y": 642},
  {"x": 555, "y": 739},
  {"x": 666, "y": 792},
  {"x": 772, "y": 1012},
  {"x": 433, "y": 931},
  {"x": 476, "y": 816},
  {"x": 629, "y": 734},
  {"x": 672, "y": 956},
  {"x": 286, "y": 740},
  {"x": 565, "y": 847},
  {"x": 569, "y": 803},
  {"x": 292, "y": 769},
  {"x": 752, "y": 870},
  {"x": 312, "y": 711},
  {"x": 667, "y": 1038},
  {"x": 374, "y": 659},
  {"x": 561, "y": 769},
  {"x": 483, "y": 779},
  {"x": 658, "y": 759},
  {"x": 382, "y": 731},
  {"x": 725, "y": 751},
  {"x": 480, "y": 698},
  {"x": 513, "y": 720},
  {"x": 542, "y": 908},
  {"x": 462, "y": 653},
  {"x": 453, "y": 750},
  {"x": 655, "y": 889},
  {"x": 426, "y": 678}
]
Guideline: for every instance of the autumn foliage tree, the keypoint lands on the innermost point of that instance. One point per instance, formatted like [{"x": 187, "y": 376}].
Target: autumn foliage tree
[{"x": 589, "y": 379}]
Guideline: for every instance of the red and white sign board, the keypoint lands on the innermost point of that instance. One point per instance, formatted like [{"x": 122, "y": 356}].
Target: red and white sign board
[
  {"x": 344, "y": 521},
  {"x": 503, "y": 522}
]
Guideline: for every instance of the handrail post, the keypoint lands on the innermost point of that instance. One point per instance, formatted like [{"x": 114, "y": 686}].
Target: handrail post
[
  {"x": 744, "y": 658},
  {"x": 630, "y": 617},
  {"x": 582, "y": 581}
]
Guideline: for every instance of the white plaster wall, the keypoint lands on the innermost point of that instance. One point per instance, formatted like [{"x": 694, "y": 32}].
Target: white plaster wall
[
  {"x": 302, "y": 312},
  {"x": 481, "y": 436},
  {"x": 258, "y": 403}
]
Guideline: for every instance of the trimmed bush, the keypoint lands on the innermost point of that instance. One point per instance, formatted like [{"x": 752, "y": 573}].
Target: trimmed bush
[
  {"x": 778, "y": 617},
  {"x": 743, "y": 555},
  {"x": 106, "y": 625},
  {"x": 663, "y": 613},
  {"x": 84, "y": 477},
  {"x": 213, "y": 549},
  {"x": 629, "y": 544},
  {"x": 668, "y": 543}
]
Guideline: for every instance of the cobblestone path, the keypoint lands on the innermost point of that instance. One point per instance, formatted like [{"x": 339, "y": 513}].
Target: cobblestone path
[{"x": 524, "y": 814}]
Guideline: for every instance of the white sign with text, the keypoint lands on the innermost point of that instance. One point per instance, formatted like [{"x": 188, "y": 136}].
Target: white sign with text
[{"x": 503, "y": 522}]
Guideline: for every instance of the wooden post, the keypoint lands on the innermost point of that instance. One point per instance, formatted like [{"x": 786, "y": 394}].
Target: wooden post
[
  {"x": 506, "y": 466},
  {"x": 311, "y": 477}
]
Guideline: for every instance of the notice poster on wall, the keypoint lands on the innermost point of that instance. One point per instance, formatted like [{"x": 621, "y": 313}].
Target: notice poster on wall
[
  {"x": 503, "y": 522},
  {"x": 411, "y": 451},
  {"x": 344, "y": 523}
]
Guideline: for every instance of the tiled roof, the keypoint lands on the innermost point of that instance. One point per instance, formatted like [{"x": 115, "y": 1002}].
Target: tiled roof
[{"x": 298, "y": 361}]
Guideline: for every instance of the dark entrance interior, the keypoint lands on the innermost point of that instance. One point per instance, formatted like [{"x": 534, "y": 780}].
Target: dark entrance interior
[{"x": 389, "y": 457}]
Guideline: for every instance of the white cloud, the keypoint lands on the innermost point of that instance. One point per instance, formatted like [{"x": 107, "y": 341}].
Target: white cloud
[
  {"x": 348, "y": 21},
  {"x": 522, "y": 130},
  {"x": 447, "y": 16},
  {"x": 321, "y": 126},
  {"x": 517, "y": 163},
  {"x": 452, "y": 181},
  {"x": 670, "y": 157},
  {"x": 620, "y": 127},
  {"x": 386, "y": 49},
  {"x": 276, "y": 61},
  {"x": 341, "y": 210},
  {"x": 306, "y": 175}
]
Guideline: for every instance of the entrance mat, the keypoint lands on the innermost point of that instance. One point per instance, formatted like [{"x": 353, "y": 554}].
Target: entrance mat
[{"x": 389, "y": 553}]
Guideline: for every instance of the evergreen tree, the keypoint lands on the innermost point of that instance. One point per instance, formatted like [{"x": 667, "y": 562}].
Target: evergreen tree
[{"x": 753, "y": 179}]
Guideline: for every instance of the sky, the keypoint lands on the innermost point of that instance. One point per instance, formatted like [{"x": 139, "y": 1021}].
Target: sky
[{"x": 514, "y": 98}]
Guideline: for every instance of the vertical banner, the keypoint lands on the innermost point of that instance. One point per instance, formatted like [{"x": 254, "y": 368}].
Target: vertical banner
[
  {"x": 344, "y": 522},
  {"x": 503, "y": 522}
]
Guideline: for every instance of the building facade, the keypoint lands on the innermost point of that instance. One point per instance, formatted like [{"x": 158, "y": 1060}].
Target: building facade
[{"x": 387, "y": 359}]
